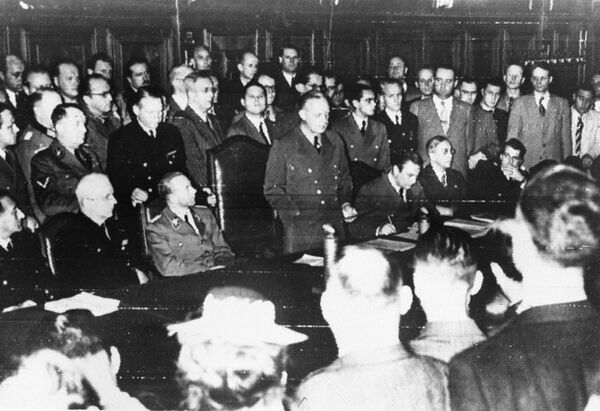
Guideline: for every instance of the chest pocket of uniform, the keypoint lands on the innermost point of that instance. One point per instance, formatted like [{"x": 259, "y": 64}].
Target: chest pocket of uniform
[{"x": 170, "y": 156}]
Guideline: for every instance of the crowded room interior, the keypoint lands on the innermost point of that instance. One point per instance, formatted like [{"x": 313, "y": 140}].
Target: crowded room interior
[{"x": 300, "y": 205}]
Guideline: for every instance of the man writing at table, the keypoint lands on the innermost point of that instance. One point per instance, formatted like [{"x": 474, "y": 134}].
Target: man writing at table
[{"x": 185, "y": 238}]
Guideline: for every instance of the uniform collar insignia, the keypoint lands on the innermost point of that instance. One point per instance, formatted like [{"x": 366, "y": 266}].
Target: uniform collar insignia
[{"x": 175, "y": 222}]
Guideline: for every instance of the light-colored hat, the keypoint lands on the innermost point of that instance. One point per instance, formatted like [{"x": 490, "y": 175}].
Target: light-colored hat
[{"x": 236, "y": 314}]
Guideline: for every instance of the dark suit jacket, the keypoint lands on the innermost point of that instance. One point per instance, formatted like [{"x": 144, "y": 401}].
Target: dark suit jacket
[
  {"x": 177, "y": 249},
  {"x": 401, "y": 137},
  {"x": 545, "y": 137},
  {"x": 452, "y": 194},
  {"x": 137, "y": 160},
  {"x": 23, "y": 273},
  {"x": 244, "y": 127},
  {"x": 377, "y": 200},
  {"x": 489, "y": 130},
  {"x": 197, "y": 139},
  {"x": 459, "y": 131},
  {"x": 307, "y": 188},
  {"x": 12, "y": 180},
  {"x": 87, "y": 258},
  {"x": 492, "y": 191},
  {"x": 538, "y": 362},
  {"x": 286, "y": 96},
  {"x": 55, "y": 173},
  {"x": 373, "y": 149},
  {"x": 232, "y": 92}
]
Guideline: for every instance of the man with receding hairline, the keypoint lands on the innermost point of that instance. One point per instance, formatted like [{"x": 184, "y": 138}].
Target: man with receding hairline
[
  {"x": 362, "y": 303},
  {"x": 233, "y": 90},
  {"x": 178, "y": 99},
  {"x": 11, "y": 73},
  {"x": 307, "y": 180},
  {"x": 66, "y": 80}
]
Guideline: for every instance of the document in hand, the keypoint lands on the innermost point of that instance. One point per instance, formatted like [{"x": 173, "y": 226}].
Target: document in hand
[{"x": 97, "y": 305}]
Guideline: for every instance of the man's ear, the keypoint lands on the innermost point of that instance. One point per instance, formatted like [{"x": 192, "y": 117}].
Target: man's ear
[
  {"x": 406, "y": 299},
  {"x": 136, "y": 110},
  {"x": 302, "y": 114},
  {"x": 239, "y": 67},
  {"x": 129, "y": 81},
  {"x": 90, "y": 72},
  {"x": 87, "y": 99},
  {"x": 1, "y": 76},
  {"x": 280, "y": 59},
  {"x": 550, "y": 79},
  {"x": 55, "y": 80},
  {"x": 115, "y": 360}
]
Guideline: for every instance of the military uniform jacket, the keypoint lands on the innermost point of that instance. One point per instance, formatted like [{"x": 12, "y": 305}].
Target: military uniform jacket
[
  {"x": 137, "y": 160},
  {"x": 197, "y": 139},
  {"x": 55, "y": 172},
  {"x": 545, "y": 137},
  {"x": 307, "y": 188},
  {"x": 373, "y": 149},
  {"x": 402, "y": 137},
  {"x": 377, "y": 200},
  {"x": 459, "y": 130},
  {"x": 244, "y": 127},
  {"x": 177, "y": 249},
  {"x": 87, "y": 258},
  {"x": 98, "y": 134}
]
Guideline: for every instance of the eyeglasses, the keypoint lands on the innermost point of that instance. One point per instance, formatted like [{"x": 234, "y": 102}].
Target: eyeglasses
[
  {"x": 108, "y": 197},
  {"x": 104, "y": 94}
]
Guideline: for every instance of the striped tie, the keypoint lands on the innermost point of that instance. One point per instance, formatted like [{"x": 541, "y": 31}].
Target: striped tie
[{"x": 578, "y": 133}]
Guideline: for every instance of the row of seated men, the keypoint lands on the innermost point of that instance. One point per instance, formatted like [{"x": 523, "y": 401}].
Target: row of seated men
[
  {"x": 307, "y": 179},
  {"x": 234, "y": 355}
]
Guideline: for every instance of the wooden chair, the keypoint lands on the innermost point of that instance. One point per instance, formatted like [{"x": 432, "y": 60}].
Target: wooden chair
[{"x": 50, "y": 228}]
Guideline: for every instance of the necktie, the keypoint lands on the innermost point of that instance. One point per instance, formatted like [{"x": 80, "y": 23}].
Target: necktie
[
  {"x": 397, "y": 120},
  {"x": 403, "y": 194},
  {"x": 578, "y": 133},
  {"x": 106, "y": 231},
  {"x": 188, "y": 221},
  {"x": 444, "y": 117},
  {"x": 209, "y": 125},
  {"x": 444, "y": 180},
  {"x": 263, "y": 134},
  {"x": 541, "y": 106},
  {"x": 510, "y": 101},
  {"x": 363, "y": 129},
  {"x": 317, "y": 144}
]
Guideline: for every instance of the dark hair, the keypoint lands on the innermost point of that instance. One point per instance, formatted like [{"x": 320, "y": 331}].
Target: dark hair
[
  {"x": 389, "y": 81},
  {"x": 304, "y": 74},
  {"x": 311, "y": 95},
  {"x": 467, "y": 80},
  {"x": 132, "y": 62},
  {"x": 287, "y": 46},
  {"x": 331, "y": 74},
  {"x": 542, "y": 66},
  {"x": 586, "y": 87},
  {"x": 497, "y": 247},
  {"x": 60, "y": 62},
  {"x": 517, "y": 145},
  {"x": 562, "y": 208},
  {"x": 253, "y": 83},
  {"x": 401, "y": 57},
  {"x": 495, "y": 82},
  {"x": 355, "y": 91},
  {"x": 86, "y": 84},
  {"x": 408, "y": 156},
  {"x": 164, "y": 189},
  {"x": 448, "y": 245},
  {"x": 99, "y": 57},
  {"x": 37, "y": 69},
  {"x": 434, "y": 141},
  {"x": 3, "y": 58},
  {"x": 60, "y": 111},
  {"x": 148, "y": 91}
]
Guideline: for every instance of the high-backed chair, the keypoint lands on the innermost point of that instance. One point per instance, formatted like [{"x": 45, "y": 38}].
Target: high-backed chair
[
  {"x": 50, "y": 228},
  {"x": 361, "y": 174},
  {"x": 236, "y": 172}
]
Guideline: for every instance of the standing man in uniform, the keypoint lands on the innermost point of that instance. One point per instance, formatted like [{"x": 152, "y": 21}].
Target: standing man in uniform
[
  {"x": 307, "y": 178},
  {"x": 443, "y": 115},
  {"x": 542, "y": 121}
]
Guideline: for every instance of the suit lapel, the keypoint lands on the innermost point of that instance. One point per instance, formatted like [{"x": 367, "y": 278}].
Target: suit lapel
[
  {"x": 433, "y": 114},
  {"x": 179, "y": 225},
  {"x": 202, "y": 128}
]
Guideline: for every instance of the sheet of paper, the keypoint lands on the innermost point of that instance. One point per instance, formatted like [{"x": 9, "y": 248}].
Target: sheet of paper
[
  {"x": 97, "y": 305},
  {"x": 475, "y": 229},
  {"x": 312, "y": 260},
  {"x": 389, "y": 245},
  {"x": 414, "y": 236}
]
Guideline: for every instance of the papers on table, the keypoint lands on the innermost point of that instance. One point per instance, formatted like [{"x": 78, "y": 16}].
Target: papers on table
[
  {"x": 312, "y": 260},
  {"x": 409, "y": 235},
  {"x": 475, "y": 229},
  {"x": 385, "y": 244},
  {"x": 97, "y": 305}
]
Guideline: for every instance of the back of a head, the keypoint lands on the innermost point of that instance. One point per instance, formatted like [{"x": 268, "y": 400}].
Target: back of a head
[
  {"x": 561, "y": 207},
  {"x": 447, "y": 254},
  {"x": 366, "y": 272}
]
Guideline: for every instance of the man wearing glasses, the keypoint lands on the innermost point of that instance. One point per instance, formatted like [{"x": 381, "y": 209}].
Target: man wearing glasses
[
  {"x": 101, "y": 118},
  {"x": 442, "y": 115}
]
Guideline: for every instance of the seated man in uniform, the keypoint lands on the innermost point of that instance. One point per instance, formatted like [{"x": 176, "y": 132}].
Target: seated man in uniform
[
  {"x": 389, "y": 204},
  {"x": 56, "y": 170},
  {"x": 185, "y": 238},
  {"x": 90, "y": 250}
]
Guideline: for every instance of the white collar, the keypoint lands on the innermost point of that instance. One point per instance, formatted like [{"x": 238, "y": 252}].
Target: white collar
[
  {"x": 289, "y": 77},
  {"x": 3, "y": 153},
  {"x": 181, "y": 100},
  {"x": 148, "y": 130},
  {"x": 392, "y": 115},
  {"x": 359, "y": 122},
  {"x": 393, "y": 183},
  {"x": 12, "y": 96},
  {"x": 438, "y": 101},
  {"x": 5, "y": 242},
  {"x": 439, "y": 173},
  {"x": 256, "y": 123},
  {"x": 538, "y": 95}
]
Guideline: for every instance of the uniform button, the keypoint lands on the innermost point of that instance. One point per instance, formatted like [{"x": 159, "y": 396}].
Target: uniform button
[
  {"x": 149, "y": 177},
  {"x": 149, "y": 190},
  {"x": 319, "y": 191},
  {"x": 145, "y": 165},
  {"x": 170, "y": 162},
  {"x": 99, "y": 250},
  {"x": 375, "y": 159},
  {"x": 310, "y": 170},
  {"x": 389, "y": 141},
  {"x": 376, "y": 147},
  {"x": 180, "y": 244},
  {"x": 335, "y": 177},
  {"x": 322, "y": 201},
  {"x": 316, "y": 181},
  {"x": 4, "y": 282},
  {"x": 355, "y": 158},
  {"x": 351, "y": 145}
]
